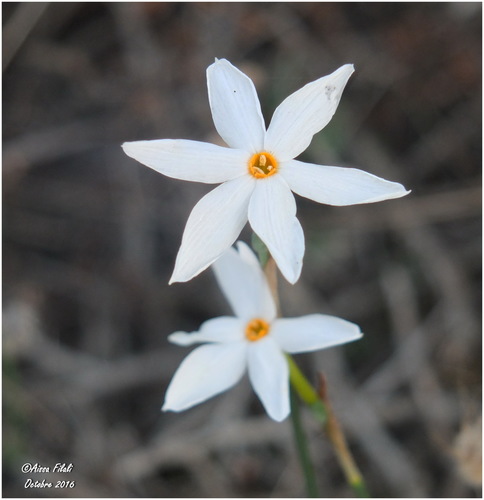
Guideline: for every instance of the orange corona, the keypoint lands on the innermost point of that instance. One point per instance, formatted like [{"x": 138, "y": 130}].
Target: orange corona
[
  {"x": 256, "y": 329},
  {"x": 262, "y": 165}
]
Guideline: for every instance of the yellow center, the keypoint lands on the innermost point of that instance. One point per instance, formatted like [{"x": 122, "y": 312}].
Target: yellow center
[
  {"x": 256, "y": 329},
  {"x": 262, "y": 165}
]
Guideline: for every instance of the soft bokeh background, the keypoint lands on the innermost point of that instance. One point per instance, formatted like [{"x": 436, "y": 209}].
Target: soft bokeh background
[{"x": 90, "y": 238}]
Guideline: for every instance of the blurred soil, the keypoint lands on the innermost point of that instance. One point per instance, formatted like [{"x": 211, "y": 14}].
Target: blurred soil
[{"x": 90, "y": 239}]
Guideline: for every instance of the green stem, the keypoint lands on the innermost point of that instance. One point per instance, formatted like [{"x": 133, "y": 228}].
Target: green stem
[
  {"x": 322, "y": 411},
  {"x": 318, "y": 403},
  {"x": 303, "y": 449},
  {"x": 306, "y": 391}
]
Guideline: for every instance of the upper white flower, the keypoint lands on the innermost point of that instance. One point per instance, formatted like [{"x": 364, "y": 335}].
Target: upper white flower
[
  {"x": 258, "y": 170},
  {"x": 254, "y": 340}
]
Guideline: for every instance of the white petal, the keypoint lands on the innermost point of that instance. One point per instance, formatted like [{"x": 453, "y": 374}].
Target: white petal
[
  {"x": 235, "y": 107},
  {"x": 214, "y": 224},
  {"x": 205, "y": 372},
  {"x": 305, "y": 113},
  {"x": 272, "y": 215},
  {"x": 243, "y": 283},
  {"x": 222, "y": 329},
  {"x": 313, "y": 332},
  {"x": 189, "y": 160},
  {"x": 338, "y": 185},
  {"x": 269, "y": 376}
]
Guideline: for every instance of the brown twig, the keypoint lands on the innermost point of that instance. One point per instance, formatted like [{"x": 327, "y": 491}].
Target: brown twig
[{"x": 340, "y": 445}]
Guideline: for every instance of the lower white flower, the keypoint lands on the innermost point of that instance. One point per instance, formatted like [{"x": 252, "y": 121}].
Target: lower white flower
[{"x": 254, "y": 340}]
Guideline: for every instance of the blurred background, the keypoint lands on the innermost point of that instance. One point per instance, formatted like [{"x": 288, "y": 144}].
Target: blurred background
[{"x": 90, "y": 238}]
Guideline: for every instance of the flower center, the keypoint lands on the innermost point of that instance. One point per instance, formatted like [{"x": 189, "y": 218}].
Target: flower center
[
  {"x": 262, "y": 165},
  {"x": 256, "y": 329}
]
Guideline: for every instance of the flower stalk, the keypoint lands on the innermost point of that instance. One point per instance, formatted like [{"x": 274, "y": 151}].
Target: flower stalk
[
  {"x": 319, "y": 404},
  {"x": 306, "y": 392},
  {"x": 303, "y": 449}
]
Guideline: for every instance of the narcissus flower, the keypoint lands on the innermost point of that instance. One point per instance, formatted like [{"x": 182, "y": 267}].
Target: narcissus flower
[
  {"x": 254, "y": 340},
  {"x": 258, "y": 171}
]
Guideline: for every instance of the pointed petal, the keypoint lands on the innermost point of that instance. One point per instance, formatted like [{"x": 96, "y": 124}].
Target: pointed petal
[
  {"x": 189, "y": 160},
  {"x": 243, "y": 283},
  {"x": 305, "y": 113},
  {"x": 269, "y": 376},
  {"x": 272, "y": 215},
  {"x": 313, "y": 332},
  {"x": 338, "y": 185},
  {"x": 205, "y": 372},
  {"x": 214, "y": 224},
  {"x": 235, "y": 107},
  {"x": 222, "y": 329}
]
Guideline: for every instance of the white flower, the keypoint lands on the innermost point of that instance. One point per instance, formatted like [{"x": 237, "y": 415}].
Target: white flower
[
  {"x": 254, "y": 340},
  {"x": 258, "y": 171}
]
